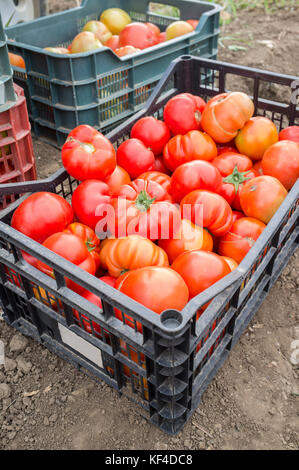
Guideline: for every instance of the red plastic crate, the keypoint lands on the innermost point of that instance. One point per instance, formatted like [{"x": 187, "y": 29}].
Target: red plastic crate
[{"x": 17, "y": 161}]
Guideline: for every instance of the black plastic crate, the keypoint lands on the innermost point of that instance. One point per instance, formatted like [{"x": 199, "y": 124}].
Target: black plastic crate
[{"x": 167, "y": 367}]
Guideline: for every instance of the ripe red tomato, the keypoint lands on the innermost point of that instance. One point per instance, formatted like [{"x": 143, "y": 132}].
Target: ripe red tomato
[
  {"x": 193, "y": 23},
  {"x": 235, "y": 169},
  {"x": 155, "y": 29},
  {"x": 90, "y": 200},
  {"x": 197, "y": 174},
  {"x": 162, "y": 37},
  {"x": 117, "y": 179},
  {"x": 119, "y": 255},
  {"x": 113, "y": 42},
  {"x": 241, "y": 237},
  {"x": 190, "y": 237},
  {"x": 290, "y": 133},
  {"x": 227, "y": 162},
  {"x": 157, "y": 288},
  {"x": 135, "y": 157},
  {"x": 182, "y": 113},
  {"x": 256, "y": 136},
  {"x": 261, "y": 197},
  {"x": 200, "y": 269},
  {"x": 158, "y": 177},
  {"x": 225, "y": 114},
  {"x": 138, "y": 35},
  {"x": 41, "y": 215},
  {"x": 152, "y": 132},
  {"x": 229, "y": 147},
  {"x": 232, "y": 264},
  {"x": 281, "y": 160},
  {"x": 237, "y": 215},
  {"x": 194, "y": 145},
  {"x": 88, "y": 154},
  {"x": 73, "y": 249},
  {"x": 160, "y": 165},
  {"x": 258, "y": 167},
  {"x": 89, "y": 237},
  {"x": 209, "y": 210},
  {"x": 143, "y": 208}
]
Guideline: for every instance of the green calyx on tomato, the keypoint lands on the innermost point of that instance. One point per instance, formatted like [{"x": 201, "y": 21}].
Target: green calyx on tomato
[
  {"x": 236, "y": 178},
  {"x": 143, "y": 201}
]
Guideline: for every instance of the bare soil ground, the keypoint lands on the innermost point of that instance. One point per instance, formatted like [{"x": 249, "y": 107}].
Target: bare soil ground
[{"x": 253, "y": 401}]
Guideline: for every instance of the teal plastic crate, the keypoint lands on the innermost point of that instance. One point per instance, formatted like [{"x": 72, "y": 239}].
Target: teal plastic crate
[
  {"x": 7, "y": 95},
  {"x": 98, "y": 87}
]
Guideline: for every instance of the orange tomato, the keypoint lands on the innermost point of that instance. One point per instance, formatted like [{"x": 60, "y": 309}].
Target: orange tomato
[
  {"x": 190, "y": 237},
  {"x": 232, "y": 264},
  {"x": 119, "y": 255},
  {"x": 241, "y": 237},
  {"x": 16, "y": 60},
  {"x": 257, "y": 135},
  {"x": 225, "y": 114},
  {"x": 200, "y": 269},
  {"x": 261, "y": 197},
  {"x": 158, "y": 177}
]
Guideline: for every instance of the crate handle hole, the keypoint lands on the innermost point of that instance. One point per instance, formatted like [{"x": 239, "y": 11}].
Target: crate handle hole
[
  {"x": 163, "y": 9},
  {"x": 171, "y": 319}
]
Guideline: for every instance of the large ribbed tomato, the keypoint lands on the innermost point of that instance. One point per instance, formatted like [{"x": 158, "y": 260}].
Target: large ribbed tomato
[
  {"x": 119, "y": 255},
  {"x": 190, "y": 237},
  {"x": 158, "y": 177},
  {"x": 281, "y": 160},
  {"x": 261, "y": 197},
  {"x": 144, "y": 208},
  {"x": 197, "y": 174},
  {"x": 88, "y": 154},
  {"x": 209, "y": 210},
  {"x": 194, "y": 145},
  {"x": 200, "y": 269},
  {"x": 241, "y": 237},
  {"x": 182, "y": 113},
  {"x": 225, "y": 114}
]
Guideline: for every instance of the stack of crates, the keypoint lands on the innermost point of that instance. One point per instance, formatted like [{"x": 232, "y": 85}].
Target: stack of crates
[{"x": 17, "y": 162}]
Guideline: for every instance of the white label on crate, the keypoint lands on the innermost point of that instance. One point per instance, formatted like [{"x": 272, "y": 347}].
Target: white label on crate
[{"x": 87, "y": 350}]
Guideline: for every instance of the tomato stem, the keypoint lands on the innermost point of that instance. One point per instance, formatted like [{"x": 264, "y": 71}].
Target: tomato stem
[
  {"x": 236, "y": 178},
  {"x": 143, "y": 201}
]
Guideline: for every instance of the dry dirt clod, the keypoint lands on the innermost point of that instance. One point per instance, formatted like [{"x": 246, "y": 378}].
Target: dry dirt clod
[
  {"x": 18, "y": 343},
  {"x": 4, "y": 391}
]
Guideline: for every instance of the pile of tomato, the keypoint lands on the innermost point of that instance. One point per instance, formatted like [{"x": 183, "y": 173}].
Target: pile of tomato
[{"x": 175, "y": 208}]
